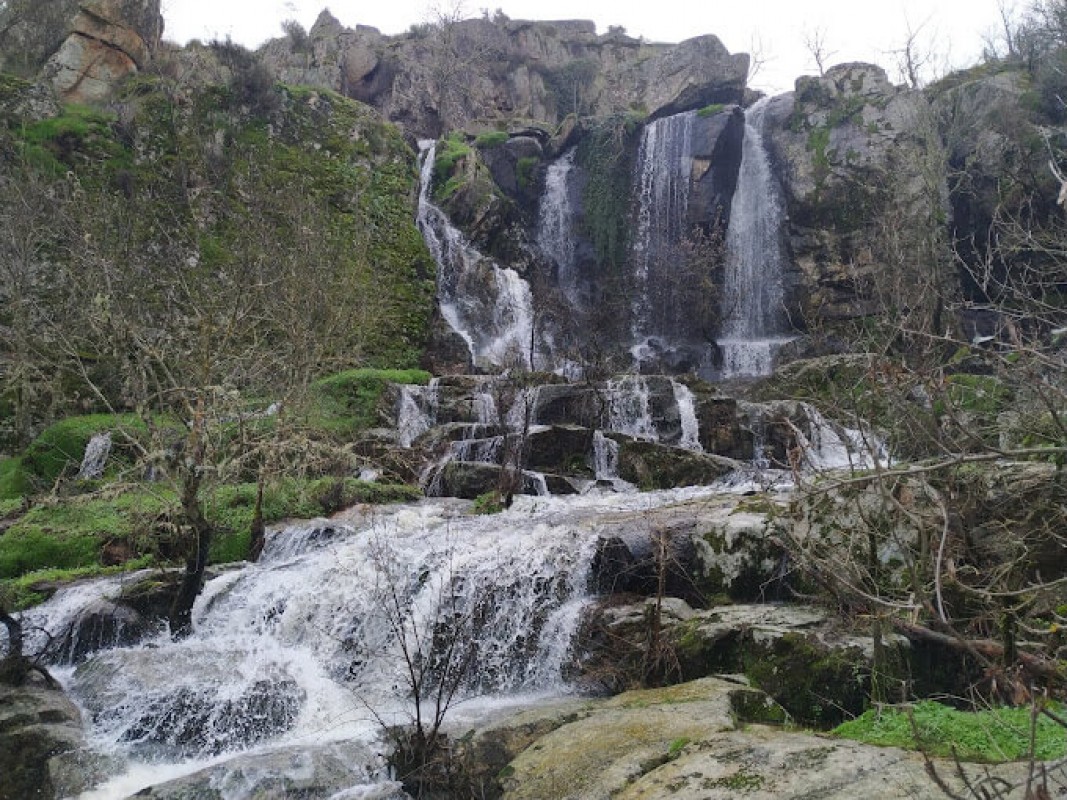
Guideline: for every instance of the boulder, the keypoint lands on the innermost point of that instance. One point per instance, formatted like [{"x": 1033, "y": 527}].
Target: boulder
[
  {"x": 571, "y": 404},
  {"x": 101, "y": 625},
  {"x": 37, "y": 724},
  {"x": 562, "y": 449}
]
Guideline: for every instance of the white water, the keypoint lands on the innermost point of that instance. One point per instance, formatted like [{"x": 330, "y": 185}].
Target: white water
[
  {"x": 416, "y": 412},
  {"x": 628, "y": 408},
  {"x": 314, "y": 624},
  {"x": 664, "y": 169},
  {"x": 754, "y": 323},
  {"x": 683, "y": 397},
  {"x": 489, "y": 306},
  {"x": 95, "y": 458},
  {"x": 555, "y": 226}
]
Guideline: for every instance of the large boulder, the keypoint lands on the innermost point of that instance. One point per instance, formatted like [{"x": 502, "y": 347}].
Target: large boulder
[
  {"x": 82, "y": 47},
  {"x": 650, "y": 465}
]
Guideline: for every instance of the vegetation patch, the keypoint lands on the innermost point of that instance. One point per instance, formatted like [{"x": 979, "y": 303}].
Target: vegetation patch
[
  {"x": 450, "y": 150},
  {"x": 490, "y": 139},
  {"x": 62, "y": 445},
  {"x": 992, "y": 736},
  {"x": 350, "y": 402},
  {"x": 711, "y": 110}
]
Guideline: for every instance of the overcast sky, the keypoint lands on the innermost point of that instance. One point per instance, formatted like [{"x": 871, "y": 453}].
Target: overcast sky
[{"x": 853, "y": 30}]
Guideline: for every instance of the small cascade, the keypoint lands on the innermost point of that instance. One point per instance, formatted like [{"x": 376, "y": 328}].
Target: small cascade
[
  {"x": 754, "y": 321},
  {"x": 490, "y": 307},
  {"x": 95, "y": 458},
  {"x": 683, "y": 397},
  {"x": 416, "y": 411},
  {"x": 664, "y": 170},
  {"x": 829, "y": 445},
  {"x": 628, "y": 408},
  {"x": 605, "y": 457},
  {"x": 555, "y": 226}
]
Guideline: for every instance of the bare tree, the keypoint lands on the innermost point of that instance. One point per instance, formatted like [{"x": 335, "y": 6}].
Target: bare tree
[{"x": 815, "y": 42}]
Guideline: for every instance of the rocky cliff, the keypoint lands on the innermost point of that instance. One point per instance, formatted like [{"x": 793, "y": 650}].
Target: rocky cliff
[{"x": 497, "y": 71}]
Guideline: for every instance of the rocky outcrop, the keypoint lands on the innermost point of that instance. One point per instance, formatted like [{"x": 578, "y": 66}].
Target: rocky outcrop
[
  {"x": 81, "y": 48},
  {"x": 439, "y": 77},
  {"x": 846, "y": 146}
]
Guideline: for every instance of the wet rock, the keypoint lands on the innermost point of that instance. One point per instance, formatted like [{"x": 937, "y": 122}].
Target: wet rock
[
  {"x": 655, "y": 466},
  {"x": 103, "y": 624},
  {"x": 182, "y": 710},
  {"x": 571, "y": 404},
  {"x": 290, "y": 772},
  {"x": 562, "y": 449},
  {"x": 37, "y": 723}
]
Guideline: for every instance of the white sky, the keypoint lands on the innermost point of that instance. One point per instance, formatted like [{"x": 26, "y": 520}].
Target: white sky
[{"x": 855, "y": 30}]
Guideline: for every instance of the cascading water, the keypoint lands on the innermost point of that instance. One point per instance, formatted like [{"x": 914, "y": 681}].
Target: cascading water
[
  {"x": 664, "y": 170},
  {"x": 307, "y": 646},
  {"x": 555, "y": 226},
  {"x": 490, "y": 307},
  {"x": 686, "y": 402},
  {"x": 415, "y": 414},
  {"x": 628, "y": 408},
  {"x": 754, "y": 325}
]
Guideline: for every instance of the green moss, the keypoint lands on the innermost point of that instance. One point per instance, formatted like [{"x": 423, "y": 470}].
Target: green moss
[
  {"x": 815, "y": 685},
  {"x": 677, "y": 746},
  {"x": 980, "y": 394},
  {"x": 25, "y": 591},
  {"x": 711, "y": 110},
  {"x": 606, "y": 154},
  {"x": 14, "y": 483},
  {"x": 744, "y": 780},
  {"x": 992, "y": 735},
  {"x": 450, "y": 151},
  {"x": 61, "y": 446},
  {"x": 490, "y": 139},
  {"x": 818, "y": 142},
  {"x": 349, "y": 402}
]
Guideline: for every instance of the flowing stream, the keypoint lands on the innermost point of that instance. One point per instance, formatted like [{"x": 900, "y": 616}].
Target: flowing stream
[{"x": 753, "y": 311}]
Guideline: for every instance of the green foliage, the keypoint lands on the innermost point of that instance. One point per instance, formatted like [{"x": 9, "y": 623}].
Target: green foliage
[
  {"x": 993, "y": 735},
  {"x": 347, "y": 403},
  {"x": 490, "y": 139},
  {"x": 14, "y": 482},
  {"x": 61, "y": 446},
  {"x": 677, "y": 746},
  {"x": 450, "y": 150},
  {"x": 711, "y": 110},
  {"x": 56, "y": 144},
  {"x": 980, "y": 394}
]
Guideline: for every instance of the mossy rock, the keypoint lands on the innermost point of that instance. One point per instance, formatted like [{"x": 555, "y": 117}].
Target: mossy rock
[{"x": 817, "y": 685}]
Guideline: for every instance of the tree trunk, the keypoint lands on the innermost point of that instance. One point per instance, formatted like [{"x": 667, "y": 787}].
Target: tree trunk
[{"x": 181, "y": 611}]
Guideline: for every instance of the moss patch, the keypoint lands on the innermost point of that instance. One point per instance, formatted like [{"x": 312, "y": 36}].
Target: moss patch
[{"x": 349, "y": 402}]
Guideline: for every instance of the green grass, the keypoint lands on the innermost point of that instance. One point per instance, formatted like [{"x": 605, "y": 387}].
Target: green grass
[
  {"x": 21, "y": 593},
  {"x": 449, "y": 151},
  {"x": 348, "y": 402},
  {"x": 991, "y": 736}
]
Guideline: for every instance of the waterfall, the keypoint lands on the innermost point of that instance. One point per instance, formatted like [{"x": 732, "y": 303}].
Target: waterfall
[
  {"x": 95, "y": 458},
  {"x": 628, "y": 408},
  {"x": 490, "y": 307},
  {"x": 664, "y": 170},
  {"x": 686, "y": 403},
  {"x": 754, "y": 323},
  {"x": 415, "y": 414},
  {"x": 555, "y": 228}
]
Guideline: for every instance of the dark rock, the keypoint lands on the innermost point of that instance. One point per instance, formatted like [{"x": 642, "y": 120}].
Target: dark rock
[
  {"x": 37, "y": 723},
  {"x": 655, "y": 466},
  {"x": 562, "y": 449},
  {"x": 570, "y": 404},
  {"x": 467, "y": 479},
  {"x": 102, "y": 625}
]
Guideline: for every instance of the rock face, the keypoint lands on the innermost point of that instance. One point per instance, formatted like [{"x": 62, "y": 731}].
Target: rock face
[
  {"x": 441, "y": 77},
  {"x": 82, "y": 48}
]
